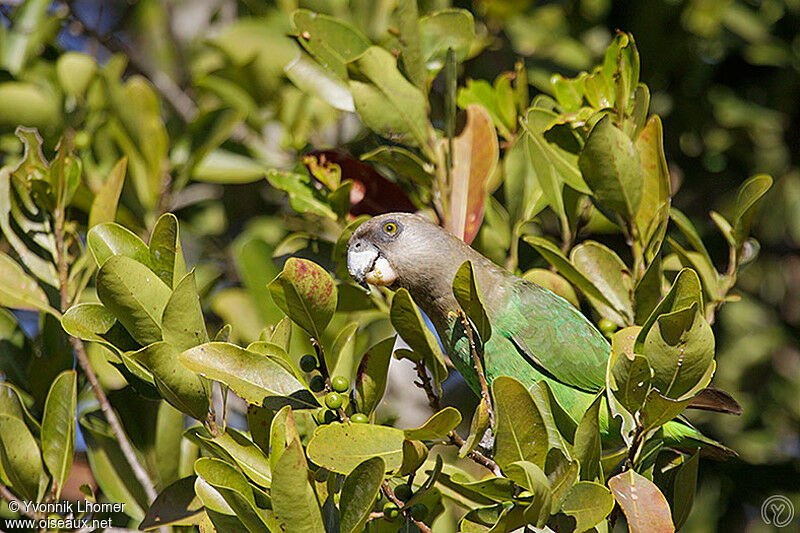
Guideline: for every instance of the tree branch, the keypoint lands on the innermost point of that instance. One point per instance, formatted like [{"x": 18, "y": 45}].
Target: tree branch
[
  {"x": 476, "y": 361},
  {"x": 9, "y": 496},
  {"x": 455, "y": 439},
  {"x": 387, "y": 490}
]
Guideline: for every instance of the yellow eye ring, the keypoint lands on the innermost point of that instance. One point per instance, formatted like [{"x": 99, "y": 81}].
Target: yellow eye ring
[{"x": 390, "y": 227}]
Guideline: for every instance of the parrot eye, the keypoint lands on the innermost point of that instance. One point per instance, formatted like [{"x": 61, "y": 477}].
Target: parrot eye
[{"x": 390, "y": 228}]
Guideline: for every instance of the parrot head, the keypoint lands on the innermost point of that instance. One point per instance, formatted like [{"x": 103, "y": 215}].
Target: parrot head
[{"x": 392, "y": 249}]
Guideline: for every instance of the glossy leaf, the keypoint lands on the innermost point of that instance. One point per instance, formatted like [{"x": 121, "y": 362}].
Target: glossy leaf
[
  {"x": 521, "y": 434},
  {"x": 609, "y": 274},
  {"x": 182, "y": 388},
  {"x": 448, "y": 28},
  {"x": 108, "y": 239},
  {"x": 234, "y": 489},
  {"x": 747, "y": 200},
  {"x": 252, "y": 376},
  {"x": 183, "y": 324},
  {"x": 465, "y": 289},
  {"x": 166, "y": 255},
  {"x": 342, "y": 447},
  {"x": 407, "y": 320},
  {"x": 655, "y": 175},
  {"x": 588, "y": 503},
  {"x": 477, "y": 428},
  {"x": 104, "y": 205},
  {"x": 331, "y": 41},
  {"x": 303, "y": 196},
  {"x": 587, "y": 446},
  {"x": 293, "y": 496},
  {"x": 386, "y": 102},
  {"x": 684, "y": 487},
  {"x": 135, "y": 295},
  {"x": 370, "y": 382},
  {"x": 531, "y": 477},
  {"x": 21, "y": 459},
  {"x": 58, "y": 427},
  {"x": 644, "y": 506},
  {"x": 359, "y": 492},
  {"x": 307, "y": 293},
  {"x": 438, "y": 426},
  {"x": 175, "y": 505},
  {"x": 611, "y": 167},
  {"x": 18, "y": 290}
]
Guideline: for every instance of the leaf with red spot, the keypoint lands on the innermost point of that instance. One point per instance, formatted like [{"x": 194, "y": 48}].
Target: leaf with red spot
[
  {"x": 372, "y": 193},
  {"x": 475, "y": 156},
  {"x": 307, "y": 293}
]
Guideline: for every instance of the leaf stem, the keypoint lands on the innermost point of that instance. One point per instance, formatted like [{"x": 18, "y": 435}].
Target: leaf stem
[
  {"x": 389, "y": 493},
  {"x": 476, "y": 361}
]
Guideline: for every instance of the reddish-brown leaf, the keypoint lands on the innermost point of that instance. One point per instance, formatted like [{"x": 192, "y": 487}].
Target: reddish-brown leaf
[
  {"x": 644, "y": 506},
  {"x": 475, "y": 155}
]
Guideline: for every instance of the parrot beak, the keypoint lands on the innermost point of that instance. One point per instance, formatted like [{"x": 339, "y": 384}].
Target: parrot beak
[{"x": 366, "y": 264}]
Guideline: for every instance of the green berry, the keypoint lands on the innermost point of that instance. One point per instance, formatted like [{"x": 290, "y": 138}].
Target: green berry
[
  {"x": 359, "y": 418},
  {"x": 391, "y": 511},
  {"x": 340, "y": 384},
  {"x": 333, "y": 400},
  {"x": 419, "y": 511},
  {"x": 308, "y": 363},
  {"x": 403, "y": 492},
  {"x": 607, "y": 327},
  {"x": 317, "y": 383},
  {"x": 330, "y": 416}
]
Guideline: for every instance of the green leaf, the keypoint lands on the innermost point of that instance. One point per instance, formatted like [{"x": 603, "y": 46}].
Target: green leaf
[
  {"x": 183, "y": 325},
  {"x": 331, "y": 41},
  {"x": 438, "y": 426},
  {"x": 521, "y": 434},
  {"x": 686, "y": 290},
  {"x": 684, "y": 488},
  {"x": 166, "y": 255},
  {"x": 410, "y": 43},
  {"x": 29, "y": 104},
  {"x": 105, "y": 240},
  {"x": 679, "y": 348},
  {"x": 283, "y": 432},
  {"x": 135, "y": 295},
  {"x": 21, "y": 459},
  {"x": 303, "y": 196},
  {"x": 222, "y": 166},
  {"x": 407, "y": 320},
  {"x": 370, "y": 382},
  {"x": 252, "y": 376},
  {"x": 93, "y": 322},
  {"x": 359, "y": 492},
  {"x": 237, "y": 448},
  {"x": 414, "y": 455},
  {"x": 588, "y": 503},
  {"x": 632, "y": 378},
  {"x": 293, "y": 498},
  {"x": 690, "y": 232},
  {"x": 20, "y": 291},
  {"x": 311, "y": 78},
  {"x": 562, "y": 474},
  {"x": 404, "y": 162},
  {"x": 176, "y": 505},
  {"x": 104, "y": 205},
  {"x": 553, "y": 282},
  {"x": 647, "y": 292},
  {"x": 342, "y": 353},
  {"x": 465, "y": 289},
  {"x": 655, "y": 176},
  {"x": 442, "y": 30},
  {"x": 553, "y": 255},
  {"x": 587, "y": 442},
  {"x": 234, "y": 489},
  {"x": 110, "y": 467},
  {"x": 342, "y": 447},
  {"x": 252, "y": 257},
  {"x": 611, "y": 167},
  {"x": 645, "y": 508},
  {"x": 58, "y": 427},
  {"x": 747, "y": 200},
  {"x": 168, "y": 447},
  {"x": 477, "y": 428},
  {"x": 182, "y": 388},
  {"x": 609, "y": 274},
  {"x": 387, "y": 103},
  {"x": 307, "y": 293},
  {"x": 530, "y": 476}
]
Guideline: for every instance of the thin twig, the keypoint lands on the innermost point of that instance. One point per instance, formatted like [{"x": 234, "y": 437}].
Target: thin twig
[
  {"x": 80, "y": 352},
  {"x": 9, "y": 496},
  {"x": 455, "y": 439},
  {"x": 389, "y": 493},
  {"x": 476, "y": 361}
]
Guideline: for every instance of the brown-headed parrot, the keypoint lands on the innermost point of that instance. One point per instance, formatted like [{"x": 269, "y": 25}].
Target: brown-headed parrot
[{"x": 536, "y": 334}]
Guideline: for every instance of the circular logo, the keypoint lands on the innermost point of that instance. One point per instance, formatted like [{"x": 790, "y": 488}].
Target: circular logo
[
  {"x": 13, "y": 506},
  {"x": 777, "y": 510}
]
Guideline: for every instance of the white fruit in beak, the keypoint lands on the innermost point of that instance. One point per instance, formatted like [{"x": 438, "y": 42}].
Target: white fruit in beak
[{"x": 382, "y": 273}]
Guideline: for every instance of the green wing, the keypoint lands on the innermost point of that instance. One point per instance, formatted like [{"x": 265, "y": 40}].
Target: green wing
[{"x": 554, "y": 337}]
